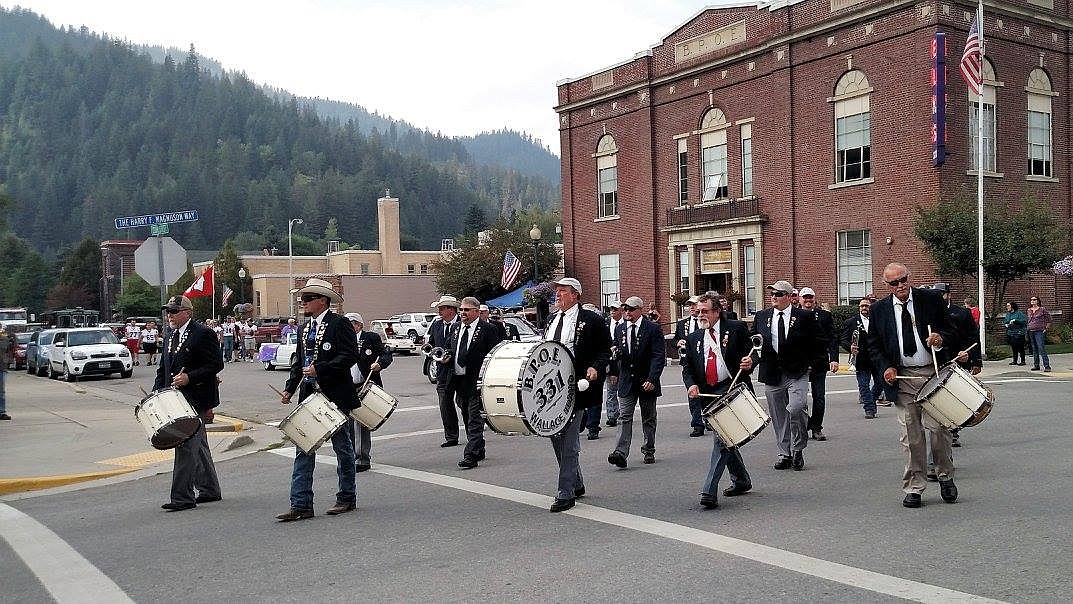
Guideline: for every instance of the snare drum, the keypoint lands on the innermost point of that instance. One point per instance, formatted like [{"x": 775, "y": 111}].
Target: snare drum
[
  {"x": 527, "y": 388},
  {"x": 955, "y": 398},
  {"x": 736, "y": 417},
  {"x": 376, "y": 406},
  {"x": 312, "y": 422},
  {"x": 166, "y": 417}
]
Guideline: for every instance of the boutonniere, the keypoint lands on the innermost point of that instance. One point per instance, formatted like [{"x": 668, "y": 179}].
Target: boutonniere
[
  {"x": 769, "y": 323},
  {"x": 726, "y": 337},
  {"x": 792, "y": 321}
]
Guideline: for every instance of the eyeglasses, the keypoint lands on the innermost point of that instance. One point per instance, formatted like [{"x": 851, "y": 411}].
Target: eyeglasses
[
  {"x": 309, "y": 297},
  {"x": 898, "y": 281},
  {"x": 808, "y": 297},
  {"x": 467, "y": 309},
  {"x": 778, "y": 294}
]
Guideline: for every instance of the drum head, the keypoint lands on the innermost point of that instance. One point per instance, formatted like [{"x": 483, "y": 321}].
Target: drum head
[
  {"x": 176, "y": 433},
  {"x": 546, "y": 388}
]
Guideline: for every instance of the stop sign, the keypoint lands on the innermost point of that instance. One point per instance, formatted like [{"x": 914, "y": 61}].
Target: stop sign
[{"x": 147, "y": 260}]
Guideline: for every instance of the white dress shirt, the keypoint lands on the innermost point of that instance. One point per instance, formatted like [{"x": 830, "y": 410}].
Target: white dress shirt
[
  {"x": 355, "y": 371},
  {"x": 775, "y": 325},
  {"x": 459, "y": 369},
  {"x": 711, "y": 345},
  {"x": 922, "y": 357},
  {"x": 570, "y": 316},
  {"x": 629, "y": 328}
]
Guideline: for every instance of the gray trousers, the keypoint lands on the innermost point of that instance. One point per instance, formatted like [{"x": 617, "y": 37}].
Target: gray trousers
[
  {"x": 194, "y": 469},
  {"x": 626, "y": 406},
  {"x": 787, "y": 402},
  {"x": 611, "y": 402},
  {"x": 567, "y": 447},
  {"x": 363, "y": 444},
  {"x": 914, "y": 442}
]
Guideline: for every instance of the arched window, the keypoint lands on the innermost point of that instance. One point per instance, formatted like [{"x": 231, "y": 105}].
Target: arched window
[
  {"x": 607, "y": 177},
  {"x": 1039, "y": 123},
  {"x": 713, "y": 154},
  {"x": 853, "y": 127},
  {"x": 990, "y": 122}
]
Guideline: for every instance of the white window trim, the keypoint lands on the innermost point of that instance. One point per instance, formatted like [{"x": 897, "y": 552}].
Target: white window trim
[
  {"x": 987, "y": 174},
  {"x": 1037, "y": 178},
  {"x": 606, "y": 218},
  {"x": 852, "y": 183},
  {"x": 851, "y": 95},
  {"x": 716, "y": 128}
]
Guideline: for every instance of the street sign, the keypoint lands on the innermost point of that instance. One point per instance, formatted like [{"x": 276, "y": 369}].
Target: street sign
[
  {"x": 128, "y": 222},
  {"x": 158, "y": 229},
  {"x": 160, "y": 261}
]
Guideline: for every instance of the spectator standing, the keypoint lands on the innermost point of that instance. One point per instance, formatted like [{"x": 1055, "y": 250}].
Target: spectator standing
[
  {"x": 228, "y": 332},
  {"x": 970, "y": 304},
  {"x": 1039, "y": 321},
  {"x": 7, "y": 353},
  {"x": 249, "y": 340},
  {"x": 1015, "y": 322}
]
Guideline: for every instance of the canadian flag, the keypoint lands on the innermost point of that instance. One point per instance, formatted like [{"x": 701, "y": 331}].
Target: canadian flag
[{"x": 202, "y": 286}]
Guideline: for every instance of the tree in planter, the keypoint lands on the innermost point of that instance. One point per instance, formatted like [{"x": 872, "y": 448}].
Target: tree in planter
[{"x": 1017, "y": 241}]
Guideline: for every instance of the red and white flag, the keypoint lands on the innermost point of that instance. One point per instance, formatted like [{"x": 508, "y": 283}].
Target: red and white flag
[
  {"x": 972, "y": 59},
  {"x": 202, "y": 286},
  {"x": 227, "y": 296},
  {"x": 511, "y": 267}
]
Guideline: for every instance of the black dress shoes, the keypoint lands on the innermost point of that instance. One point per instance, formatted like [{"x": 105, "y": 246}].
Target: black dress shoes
[
  {"x": 617, "y": 459},
  {"x": 294, "y": 514},
  {"x": 561, "y": 505},
  {"x": 798, "y": 462},
  {"x": 178, "y": 507},
  {"x": 650, "y": 458},
  {"x": 948, "y": 491},
  {"x": 611, "y": 422},
  {"x": 708, "y": 501},
  {"x": 736, "y": 490},
  {"x": 340, "y": 508},
  {"x": 206, "y": 499},
  {"x": 480, "y": 456},
  {"x": 783, "y": 463},
  {"x": 697, "y": 432},
  {"x": 912, "y": 500},
  {"x": 362, "y": 467},
  {"x": 467, "y": 464},
  {"x": 579, "y": 492},
  {"x": 449, "y": 443}
]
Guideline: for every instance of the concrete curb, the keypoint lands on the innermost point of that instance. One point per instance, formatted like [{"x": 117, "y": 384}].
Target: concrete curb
[
  {"x": 223, "y": 423},
  {"x": 36, "y": 483}
]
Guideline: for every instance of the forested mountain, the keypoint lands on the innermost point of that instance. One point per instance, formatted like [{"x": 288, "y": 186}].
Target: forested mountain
[{"x": 93, "y": 128}]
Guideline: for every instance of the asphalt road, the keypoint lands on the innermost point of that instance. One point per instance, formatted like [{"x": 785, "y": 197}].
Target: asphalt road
[{"x": 426, "y": 530}]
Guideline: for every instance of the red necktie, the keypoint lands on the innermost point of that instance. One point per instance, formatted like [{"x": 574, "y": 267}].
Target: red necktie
[{"x": 711, "y": 370}]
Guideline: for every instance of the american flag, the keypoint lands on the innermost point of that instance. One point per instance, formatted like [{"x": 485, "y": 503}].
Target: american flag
[
  {"x": 227, "y": 295},
  {"x": 511, "y": 266},
  {"x": 971, "y": 68}
]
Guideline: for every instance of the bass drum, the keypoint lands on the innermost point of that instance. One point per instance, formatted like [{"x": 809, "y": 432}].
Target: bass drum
[{"x": 527, "y": 388}]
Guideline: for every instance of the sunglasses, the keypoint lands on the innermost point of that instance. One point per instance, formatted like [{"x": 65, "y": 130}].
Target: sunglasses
[
  {"x": 467, "y": 309},
  {"x": 899, "y": 281},
  {"x": 309, "y": 297},
  {"x": 174, "y": 311},
  {"x": 808, "y": 297},
  {"x": 778, "y": 294}
]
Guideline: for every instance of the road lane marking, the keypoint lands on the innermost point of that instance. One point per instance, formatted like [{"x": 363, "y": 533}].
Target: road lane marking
[
  {"x": 66, "y": 575},
  {"x": 771, "y": 556},
  {"x": 406, "y": 434}
]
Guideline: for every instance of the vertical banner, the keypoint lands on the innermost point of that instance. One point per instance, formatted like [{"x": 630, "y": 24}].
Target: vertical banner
[{"x": 938, "y": 99}]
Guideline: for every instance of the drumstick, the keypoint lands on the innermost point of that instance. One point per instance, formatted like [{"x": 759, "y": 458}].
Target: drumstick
[
  {"x": 971, "y": 347},
  {"x": 143, "y": 391},
  {"x": 281, "y": 395},
  {"x": 934, "y": 359},
  {"x": 910, "y": 377}
]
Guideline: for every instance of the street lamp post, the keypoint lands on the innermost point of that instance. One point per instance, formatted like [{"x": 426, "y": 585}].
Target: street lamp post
[
  {"x": 290, "y": 260},
  {"x": 534, "y": 234},
  {"x": 242, "y": 284}
]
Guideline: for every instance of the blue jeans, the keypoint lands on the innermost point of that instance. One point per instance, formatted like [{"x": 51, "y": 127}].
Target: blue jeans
[
  {"x": 302, "y": 477},
  {"x": 696, "y": 405},
  {"x": 229, "y": 344},
  {"x": 3, "y": 397},
  {"x": 869, "y": 385},
  {"x": 1039, "y": 347}
]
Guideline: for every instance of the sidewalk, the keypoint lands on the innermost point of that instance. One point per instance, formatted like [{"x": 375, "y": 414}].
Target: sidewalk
[{"x": 63, "y": 433}]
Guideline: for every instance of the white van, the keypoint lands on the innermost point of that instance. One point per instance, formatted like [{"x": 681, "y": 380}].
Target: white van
[{"x": 412, "y": 325}]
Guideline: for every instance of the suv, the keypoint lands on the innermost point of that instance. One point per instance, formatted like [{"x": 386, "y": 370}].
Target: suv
[
  {"x": 88, "y": 351},
  {"x": 37, "y": 351},
  {"x": 394, "y": 339},
  {"x": 413, "y": 325},
  {"x": 18, "y": 360}
]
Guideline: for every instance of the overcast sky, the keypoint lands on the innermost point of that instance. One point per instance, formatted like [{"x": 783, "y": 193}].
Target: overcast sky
[{"x": 456, "y": 66}]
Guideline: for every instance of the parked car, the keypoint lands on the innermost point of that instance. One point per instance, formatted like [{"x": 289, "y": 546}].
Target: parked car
[
  {"x": 19, "y": 360},
  {"x": 412, "y": 325},
  {"x": 281, "y": 354},
  {"x": 394, "y": 339},
  {"x": 37, "y": 351},
  {"x": 88, "y": 351},
  {"x": 268, "y": 329}
]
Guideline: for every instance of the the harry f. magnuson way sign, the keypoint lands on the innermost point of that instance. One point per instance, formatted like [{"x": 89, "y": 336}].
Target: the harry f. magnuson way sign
[{"x": 128, "y": 222}]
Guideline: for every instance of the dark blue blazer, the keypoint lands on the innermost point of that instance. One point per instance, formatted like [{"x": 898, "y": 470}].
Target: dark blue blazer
[
  {"x": 929, "y": 308},
  {"x": 199, "y": 358},
  {"x": 645, "y": 363}
]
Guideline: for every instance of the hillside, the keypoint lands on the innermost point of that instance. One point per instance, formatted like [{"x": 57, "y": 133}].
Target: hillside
[{"x": 94, "y": 128}]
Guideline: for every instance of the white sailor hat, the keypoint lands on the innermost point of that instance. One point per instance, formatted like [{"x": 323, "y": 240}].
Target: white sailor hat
[{"x": 354, "y": 317}]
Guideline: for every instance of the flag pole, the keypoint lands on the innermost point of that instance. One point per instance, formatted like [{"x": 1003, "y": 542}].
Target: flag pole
[
  {"x": 980, "y": 191},
  {"x": 213, "y": 267}
]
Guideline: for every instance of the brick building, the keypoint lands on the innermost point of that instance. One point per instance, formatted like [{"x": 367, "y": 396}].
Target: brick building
[{"x": 793, "y": 140}]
